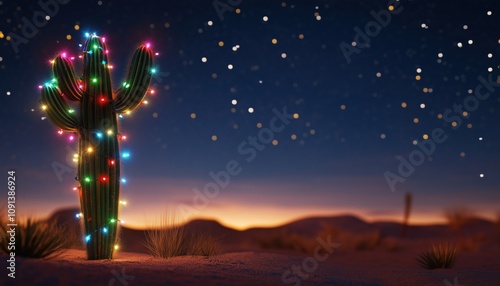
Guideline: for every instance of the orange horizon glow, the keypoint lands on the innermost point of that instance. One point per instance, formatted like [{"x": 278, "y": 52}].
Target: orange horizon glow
[{"x": 269, "y": 217}]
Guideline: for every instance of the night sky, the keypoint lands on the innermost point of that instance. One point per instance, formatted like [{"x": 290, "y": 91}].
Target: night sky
[{"x": 359, "y": 98}]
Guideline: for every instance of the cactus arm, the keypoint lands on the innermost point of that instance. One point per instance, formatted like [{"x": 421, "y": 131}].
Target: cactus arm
[
  {"x": 58, "y": 111},
  {"x": 133, "y": 90},
  {"x": 68, "y": 82}
]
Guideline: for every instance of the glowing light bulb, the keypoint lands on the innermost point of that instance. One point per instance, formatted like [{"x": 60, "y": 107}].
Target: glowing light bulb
[
  {"x": 90, "y": 149},
  {"x": 63, "y": 55},
  {"x": 105, "y": 230},
  {"x": 71, "y": 138},
  {"x": 104, "y": 179},
  {"x": 113, "y": 220},
  {"x": 124, "y": 137},
  {"x": 94, "y": 80},
  {"x": 112, "y": 162},
  {"x": 148, "y": 45},
  {"x": 87, "y": 238},
  {"x": 60, "y": 132},
  {"x": 123, "y": 203},
  {"x": 123, "y": 180},
  {"x": 109, "y": 132},
  {"x": 99, "y": 134},
  {"x": 153, "y": 70},
  {"x": 116, "y": 247},
  {"x": 71, "y": 111},
  {"x": 88, "y": 180},
  {"x": 44, "y": 107},
  {"x": 87, "y": 35},
  {"x": 126, "y": 155},
  {"x": 152, "y": 91}
]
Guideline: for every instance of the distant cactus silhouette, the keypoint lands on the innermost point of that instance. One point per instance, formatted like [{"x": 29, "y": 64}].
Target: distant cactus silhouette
[
  {"x": 408, "y": 201},
  {"x": 96, "y": 123}
]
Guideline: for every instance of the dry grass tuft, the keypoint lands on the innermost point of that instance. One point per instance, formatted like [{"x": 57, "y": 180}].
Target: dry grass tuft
[
  {"x": 171, "y": 240},
  {"x": 439, "y": 256},
  {"x": 35, "y": 239},
  {"x": 168, "y": 240}
]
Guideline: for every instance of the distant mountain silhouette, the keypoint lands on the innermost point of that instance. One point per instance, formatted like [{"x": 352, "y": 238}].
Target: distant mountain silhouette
[{"x": 132, "y": 240}]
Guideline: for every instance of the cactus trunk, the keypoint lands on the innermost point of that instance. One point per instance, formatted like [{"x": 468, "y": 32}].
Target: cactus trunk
[{"x": 99, "y": 157}]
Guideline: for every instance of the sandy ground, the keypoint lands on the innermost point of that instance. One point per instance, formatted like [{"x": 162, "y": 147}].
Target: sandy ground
[
  {"x": 243, "y": 262},
  {"x": 377, "y": 267}
]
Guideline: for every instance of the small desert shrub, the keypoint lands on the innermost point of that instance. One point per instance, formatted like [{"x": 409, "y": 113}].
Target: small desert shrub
[
  {"x": 458, "y": 217},
  {"x": 366, "y": 241},
  {"x": 355, "y": 241},
  {"x": 35, "y": 239},
  {"x": 286, "y": 241},
  {"x": 391, "y": 244},
  {"x": 468, "y": 244},
  {"x": 439, "y": 256}
]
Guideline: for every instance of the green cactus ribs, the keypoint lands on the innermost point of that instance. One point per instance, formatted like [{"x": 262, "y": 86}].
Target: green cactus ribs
[{"x": 95, "y": 124}]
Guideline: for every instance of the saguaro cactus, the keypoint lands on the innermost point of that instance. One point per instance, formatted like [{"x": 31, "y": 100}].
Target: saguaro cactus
[
  {"x": 96, "y": 124},
  {"x": 408, "y": 200}
]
